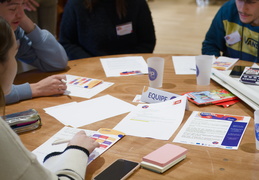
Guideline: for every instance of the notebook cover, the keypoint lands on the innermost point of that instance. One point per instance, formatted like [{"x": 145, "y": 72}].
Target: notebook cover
[
  {"x": 160, "y": 169},
  {"x": 165, "y": 155}
]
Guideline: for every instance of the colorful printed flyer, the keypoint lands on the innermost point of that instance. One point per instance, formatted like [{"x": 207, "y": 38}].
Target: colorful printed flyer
[
  {"x": 224, "y": 63},
  {"x": 213, "y": 130},
  {"x": 106, "y": 138}
]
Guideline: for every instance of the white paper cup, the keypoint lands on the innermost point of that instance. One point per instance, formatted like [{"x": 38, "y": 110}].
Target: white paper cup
[
  {"x": 203, "y": 69},
  {"x": 256, "y": 124},
  {"x": 155, "y": 71}
]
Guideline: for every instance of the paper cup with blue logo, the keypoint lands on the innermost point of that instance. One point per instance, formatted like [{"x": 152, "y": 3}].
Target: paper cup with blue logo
[
  {"x": 256, "y": 123},
  {"x": 155, "y": 71},
  {"x": 203, "y": 69}
]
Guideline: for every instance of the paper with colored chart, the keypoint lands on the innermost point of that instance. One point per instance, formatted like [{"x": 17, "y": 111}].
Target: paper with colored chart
[
  {"x": 85, "y": 87},
  {"x": 106, "y": 138},
  {"x": 158, "y": 120},
  {"x": 124, "y": 66},
  {"x": 213, "y": 130},
  {"x": 223, "y": 63}
]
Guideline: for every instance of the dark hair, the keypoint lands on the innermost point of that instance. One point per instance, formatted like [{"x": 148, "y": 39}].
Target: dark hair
[
  {"x": 6, "y": 39},
  {"x": 120, "y": 6},
  {"x": 2, "y": 103},
  {"x": 2, "y": 1}
]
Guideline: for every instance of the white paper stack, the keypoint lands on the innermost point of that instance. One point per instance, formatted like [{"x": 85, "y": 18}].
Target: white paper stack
[{"x": 248, "y": 93}]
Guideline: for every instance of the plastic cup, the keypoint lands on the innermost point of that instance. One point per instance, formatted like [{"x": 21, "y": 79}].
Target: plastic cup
[
  {"x": 256, "y": 124},
  {"x": 202, "y": 2},
  {"x": 155, "y": 71},
  {"x": 203, "y": 69}
]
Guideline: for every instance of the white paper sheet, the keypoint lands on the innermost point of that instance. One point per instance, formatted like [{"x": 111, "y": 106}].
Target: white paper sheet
[
  {"x": 213, "y": 130},
  {"x": 90, "y": 111},
  {"x": 67, "y": 133},
  {"x": 184, "y": 64},
  {"x": 159, "y": 120},
  {"x": 84, "y": 92},
  {"x": 116, "y": 66}
]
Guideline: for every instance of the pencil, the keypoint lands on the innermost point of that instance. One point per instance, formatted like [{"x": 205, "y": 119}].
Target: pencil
[{"x": 60, "y": 141}]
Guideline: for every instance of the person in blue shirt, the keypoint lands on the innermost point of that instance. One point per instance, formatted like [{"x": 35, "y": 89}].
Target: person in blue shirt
[
  {"x": 38, "y": 48},
  {"x": 234, "y": 31},
  {"x": 106, "y": 27}
]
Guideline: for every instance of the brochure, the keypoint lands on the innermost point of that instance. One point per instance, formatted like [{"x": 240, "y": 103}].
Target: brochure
[
  {"x": 213, "y": 130},
  {"x": 210, "y": 97},
  {"x": 250, "y": 76}
]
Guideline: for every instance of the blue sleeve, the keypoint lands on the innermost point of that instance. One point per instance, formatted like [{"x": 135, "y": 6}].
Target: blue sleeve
[
  {"x": 214, "y": 43},
  {"x": 18, "y": 93},
  {"x": 40, "y": 49},
  {"x": 68, "y": 35}
]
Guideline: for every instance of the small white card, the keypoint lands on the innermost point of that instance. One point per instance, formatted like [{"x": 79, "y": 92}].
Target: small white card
[
  {"x": 124, "y": 29},
  {"x": 233, "y": 38}
]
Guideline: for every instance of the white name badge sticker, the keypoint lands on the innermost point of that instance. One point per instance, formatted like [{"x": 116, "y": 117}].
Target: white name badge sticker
[
  {"x": 152, "y": 95},
  {"x": 233, "y": 38},
  {"x": 124, "y": 29}
]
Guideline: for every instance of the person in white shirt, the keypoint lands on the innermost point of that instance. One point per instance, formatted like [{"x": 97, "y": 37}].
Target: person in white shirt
[{"x": 16, "y": 161}]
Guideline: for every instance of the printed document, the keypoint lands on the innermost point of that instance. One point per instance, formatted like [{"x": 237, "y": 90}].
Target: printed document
[
  {"x": 124, "y": 66},
  {"x": 159, "y": 120},
  {"x": 213, "y": 130}
]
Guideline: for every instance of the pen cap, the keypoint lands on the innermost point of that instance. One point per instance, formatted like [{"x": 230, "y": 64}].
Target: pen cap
[{"x": 256, "y": 125}]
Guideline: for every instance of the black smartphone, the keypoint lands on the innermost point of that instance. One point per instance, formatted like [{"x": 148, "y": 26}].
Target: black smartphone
[
  {"x": 237, "y": 71},
  {"x": 120, "y": 169}
]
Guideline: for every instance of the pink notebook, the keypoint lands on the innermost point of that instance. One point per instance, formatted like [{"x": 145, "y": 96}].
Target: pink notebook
[{"x": 165, "y": 155}]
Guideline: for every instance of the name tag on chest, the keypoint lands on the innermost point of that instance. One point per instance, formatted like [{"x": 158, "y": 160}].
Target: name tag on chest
[
  {"x": 124, "y": 29},
  {"x": 233, "y": 38}
]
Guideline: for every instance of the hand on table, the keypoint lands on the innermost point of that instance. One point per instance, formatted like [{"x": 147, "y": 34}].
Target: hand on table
[
  {"x": 51, "y": 85},
  {"x": 81, "y": 139}
]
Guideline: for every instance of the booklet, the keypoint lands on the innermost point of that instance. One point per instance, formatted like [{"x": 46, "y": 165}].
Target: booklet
[
  {"x": 224, "y": 63},
  {"x": 210, "y": 97},
  {"x": 250, "y": 75}
]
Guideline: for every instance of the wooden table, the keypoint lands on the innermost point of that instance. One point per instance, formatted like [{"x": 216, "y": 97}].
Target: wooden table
[{"x": 201, "y": 162}]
